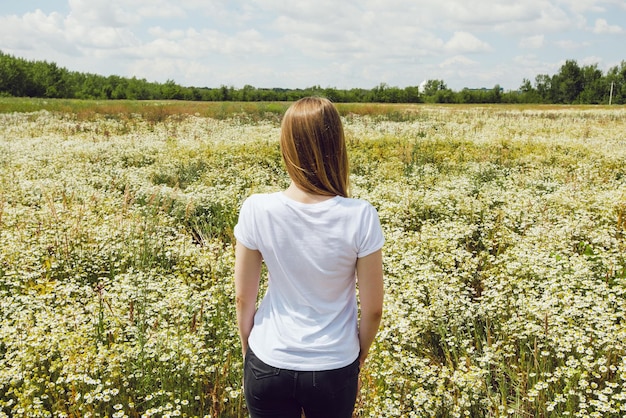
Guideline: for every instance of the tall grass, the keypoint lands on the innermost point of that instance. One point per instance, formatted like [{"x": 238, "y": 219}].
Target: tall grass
[
  {"x": 504, "y": 262},
  {"x": 159, "y": 110}
]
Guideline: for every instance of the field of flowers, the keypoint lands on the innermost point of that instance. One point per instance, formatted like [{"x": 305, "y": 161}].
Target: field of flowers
[{"x": 505, "y": 260}]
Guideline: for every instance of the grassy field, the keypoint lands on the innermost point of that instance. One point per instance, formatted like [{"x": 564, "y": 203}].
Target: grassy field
[{"x": 505, "y": 259}]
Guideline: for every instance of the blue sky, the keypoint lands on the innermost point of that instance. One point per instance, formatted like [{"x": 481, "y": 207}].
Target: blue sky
[{"x": 331, "y": 43}]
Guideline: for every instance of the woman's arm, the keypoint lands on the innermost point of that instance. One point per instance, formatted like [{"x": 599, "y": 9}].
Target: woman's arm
[
  {"x": 369, "y": 271},
  {"x": 247, "y": 277}
]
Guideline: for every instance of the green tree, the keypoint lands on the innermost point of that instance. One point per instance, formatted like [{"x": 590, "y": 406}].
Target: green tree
[
  {"x": 54, "y": 80},
  {"x": 616, "y": 76},
  {"x": 433, "y": 86},
  {"x": 137, "y": 89},
  {"x": 412, "y": 94},
  {"x": 332, "y": 94},
  {"x": 248, "y": 93},
  {"x": 570, "y": 82},
  {"x": 545, "y": 90},
  {"x": 378, "y": 94},
  {"x": 594, "y": 85},
  {"x": 12, "y": 77},
  {"x": 528, "y": 94},
  {"x": 495, "y": 94},
  {"x": 436, "y": 91},
  {"x": 444, "y": 96},
  {"x": 172, "y": 91}
]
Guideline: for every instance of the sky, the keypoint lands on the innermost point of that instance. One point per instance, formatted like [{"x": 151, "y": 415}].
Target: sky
[{"x": 329, "y": 43}]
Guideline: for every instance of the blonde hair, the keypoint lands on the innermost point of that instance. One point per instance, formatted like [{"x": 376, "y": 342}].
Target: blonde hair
[{"x": 313, "y": 146}]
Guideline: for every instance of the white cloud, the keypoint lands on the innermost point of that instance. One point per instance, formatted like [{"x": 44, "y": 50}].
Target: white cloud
[
  {"x": 105, "y": 37},
  {"x": 159, "y": 32},
  {"x": 35, "y": 31},
  {"x": 488, "y": 13},
  {"x": 602, "y": 26},
  {"x": 532, "y": 42},
  {"x": 462, "y": 42},
  {"x": 320, "y": 11},
  {"x": 529, "y": 66},
  {"x": 582, "y": 6},
  {"x": 194, "y": 45},
  {"x": 570, "y": 44},
  {"x": 110, "y": 13},
  {"x": 361, "y": 36},
  {"x": 40, "y": 22},
  {"x": 591, "y": 60},
  {"x": 549, "y": 17},
  {"x": 458, "y": 61},
  {"x": 162, "y": 9}
]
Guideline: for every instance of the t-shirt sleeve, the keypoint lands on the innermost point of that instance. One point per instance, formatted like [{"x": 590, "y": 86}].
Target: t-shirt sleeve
[
  {"x": 245, "y": 231},
  {"x": 371, "y": 233}
]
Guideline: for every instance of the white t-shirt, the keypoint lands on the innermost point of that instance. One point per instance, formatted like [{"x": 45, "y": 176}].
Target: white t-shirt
[{"x": 307, "y": 319}]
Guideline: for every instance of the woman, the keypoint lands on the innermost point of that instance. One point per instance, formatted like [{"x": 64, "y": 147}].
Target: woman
[{"x": 304, "y": 346}]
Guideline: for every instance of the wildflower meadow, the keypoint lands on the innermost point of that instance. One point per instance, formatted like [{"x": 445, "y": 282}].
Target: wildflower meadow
[{"x": 505, "y": 256}]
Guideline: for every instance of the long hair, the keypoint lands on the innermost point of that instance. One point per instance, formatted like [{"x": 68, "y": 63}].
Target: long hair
[{"x": 313, "y": 146}]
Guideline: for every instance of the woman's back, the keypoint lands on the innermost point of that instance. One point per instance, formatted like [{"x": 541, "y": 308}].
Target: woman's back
[{"x": 307, "y": 318}]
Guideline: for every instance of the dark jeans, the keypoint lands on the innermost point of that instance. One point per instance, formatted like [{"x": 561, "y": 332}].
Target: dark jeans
[{"x": 281, "y": 393}]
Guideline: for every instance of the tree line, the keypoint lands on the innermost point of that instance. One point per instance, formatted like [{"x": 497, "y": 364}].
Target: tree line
[{"x": 573, "y": 84}]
